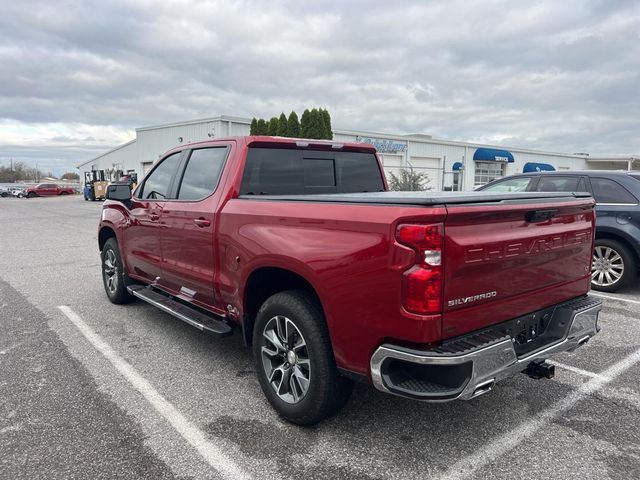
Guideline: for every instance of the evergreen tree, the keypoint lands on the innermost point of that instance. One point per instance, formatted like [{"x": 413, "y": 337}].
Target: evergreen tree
[
  {"x": 253, "y": 129},
  {"x": 282, "y": 125},
  {"x": 327, "y": 123},
  {"x": 293, "y": 125},
  {"x": 273, "y": 126},
  {"x": 261, "y": 128},
  {"x": 304, "y": 123},
  {"x": 316, "y": 124}
]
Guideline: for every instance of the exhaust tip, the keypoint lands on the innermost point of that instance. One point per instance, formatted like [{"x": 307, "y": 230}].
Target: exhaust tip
[
  {"x": 483, "y": 388},
  {"x": 584, "y": 340}
]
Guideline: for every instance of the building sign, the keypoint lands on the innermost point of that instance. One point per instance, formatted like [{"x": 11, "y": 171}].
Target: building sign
[
  {"x": 383, "y": 146},
  {"x": 492, "y": 155}
]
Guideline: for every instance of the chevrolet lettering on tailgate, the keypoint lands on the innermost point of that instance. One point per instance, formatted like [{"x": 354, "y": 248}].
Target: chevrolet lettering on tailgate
[{"x": 531, "y": 247}]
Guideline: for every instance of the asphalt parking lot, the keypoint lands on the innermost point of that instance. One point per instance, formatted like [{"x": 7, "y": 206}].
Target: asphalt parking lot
[{"x": 94, "y": 390}]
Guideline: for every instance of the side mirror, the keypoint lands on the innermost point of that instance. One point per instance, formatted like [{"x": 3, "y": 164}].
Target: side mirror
[{"x": 119, "y": 191}]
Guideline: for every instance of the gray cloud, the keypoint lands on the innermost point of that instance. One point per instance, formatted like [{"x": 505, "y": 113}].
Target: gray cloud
[{"x": 560, "y": 76}]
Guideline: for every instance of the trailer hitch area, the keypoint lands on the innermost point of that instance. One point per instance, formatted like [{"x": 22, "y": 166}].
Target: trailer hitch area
[{"x": 538, "y": 369}]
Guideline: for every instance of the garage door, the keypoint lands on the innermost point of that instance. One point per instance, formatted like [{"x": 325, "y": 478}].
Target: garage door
[
  {"x": 391, "y": 163},
  {"x": 146, "y": 166},
  {"x": 431, "y": 168}
]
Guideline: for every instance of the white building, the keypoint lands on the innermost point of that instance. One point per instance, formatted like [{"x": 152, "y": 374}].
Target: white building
[{"x": 448, "y": 165}]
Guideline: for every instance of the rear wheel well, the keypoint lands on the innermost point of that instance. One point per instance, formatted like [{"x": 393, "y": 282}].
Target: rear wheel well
[
  {"x": 622, "y": 240},
  {"x": 265, "y": 282},
  {"x": 105, "y": 234}
]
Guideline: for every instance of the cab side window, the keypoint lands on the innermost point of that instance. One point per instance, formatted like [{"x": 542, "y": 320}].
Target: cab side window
[
  {"x": 610, "y": 191},
  {"x": 156, "y": 186},
  {"x": 202, "y": 173}
]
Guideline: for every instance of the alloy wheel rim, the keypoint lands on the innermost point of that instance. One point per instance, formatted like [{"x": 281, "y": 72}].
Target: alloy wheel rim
[
  {"x": 110, "y": 268},
  {"x": 607, "y": 267},
  {"x": 285, "y": 359}
]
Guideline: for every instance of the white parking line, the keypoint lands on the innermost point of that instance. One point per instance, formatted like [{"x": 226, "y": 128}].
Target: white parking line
[
  {"x": 611, "y": 297},
  {"x": 192, "y": 434},
  {"x": 469, "y": 465},
  {"x": 577, "y": 370}
]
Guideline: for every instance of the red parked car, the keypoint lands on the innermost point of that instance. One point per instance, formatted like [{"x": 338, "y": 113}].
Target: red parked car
[
  {"x": 46, "y": 189},
  {"x": 298, "y": 245}
]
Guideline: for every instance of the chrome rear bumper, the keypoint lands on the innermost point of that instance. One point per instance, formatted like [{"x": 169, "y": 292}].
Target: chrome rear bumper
[{"x": 470, "y": 365}]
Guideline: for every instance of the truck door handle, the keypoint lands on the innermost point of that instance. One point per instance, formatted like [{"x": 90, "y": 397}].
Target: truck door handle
[
  {"x": 154, "y": 217},
  {"x": 202, "y": 222}
]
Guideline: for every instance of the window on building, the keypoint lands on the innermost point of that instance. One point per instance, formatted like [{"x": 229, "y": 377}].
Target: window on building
[
  {"x": 610, "y": 191},
  {"x": 457, "y": 182},
  {"x": 157, "y": 185},
  {"x": 202, "y": 173},
  {"x": 487, "y": 171}
]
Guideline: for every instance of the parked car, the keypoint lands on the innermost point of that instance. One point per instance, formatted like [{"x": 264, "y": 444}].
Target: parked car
[
  {"x": 11, "y": 191},
  {"x": 18, "y": 192},
  {"x": 48, "y": 189},
  {"x": 331, "y": 278},
  {"x": 616, "y": 254}
]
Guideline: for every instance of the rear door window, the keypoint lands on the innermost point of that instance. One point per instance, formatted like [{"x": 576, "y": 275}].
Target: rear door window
[
  {"x": 201, "y": 175},
  {"x": 558, "y": 183},
  {"x": 278, "y": 171},
  {"x": 606, "y": 190}
]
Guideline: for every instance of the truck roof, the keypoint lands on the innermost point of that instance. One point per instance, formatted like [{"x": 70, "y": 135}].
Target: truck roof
[{"x": 286, "y": 142}]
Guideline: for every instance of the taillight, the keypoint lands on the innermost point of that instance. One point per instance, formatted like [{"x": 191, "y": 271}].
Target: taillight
[{"x": 422, "y": 283}]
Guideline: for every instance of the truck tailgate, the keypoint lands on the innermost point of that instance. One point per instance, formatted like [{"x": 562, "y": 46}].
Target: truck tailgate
[{"x": 505, "y": 260}]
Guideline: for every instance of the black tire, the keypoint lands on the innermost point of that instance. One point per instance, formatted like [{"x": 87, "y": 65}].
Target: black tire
[
  {"x": 114, "y": 278},
  {"x": 64, "y": 193},
  {"x": 4, "y": 194},
  {"x": 628, "y": 262},
  {"x": 327, "y": 390},
  {"x": 31, "y": 194}
]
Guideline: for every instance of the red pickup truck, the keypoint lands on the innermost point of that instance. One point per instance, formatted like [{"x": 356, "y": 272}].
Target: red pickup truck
[
  {"x": 331, "y": 278},
  {"x": 48, "y": 189}
]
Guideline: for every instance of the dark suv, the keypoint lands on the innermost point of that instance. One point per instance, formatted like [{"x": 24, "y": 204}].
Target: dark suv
[{"x": 617, "y": 194}]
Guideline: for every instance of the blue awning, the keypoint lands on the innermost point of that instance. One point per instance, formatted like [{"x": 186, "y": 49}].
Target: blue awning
[
  {"x": 492, "y": 155},
  {"x": 458, "y": 166},
  {"x": 537, "y": 167}
]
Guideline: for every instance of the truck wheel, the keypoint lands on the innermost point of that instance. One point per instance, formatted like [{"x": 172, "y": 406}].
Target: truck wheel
[
  {"x": 113, "y": 276},
  {"x": 613, "y": 267},
  {"x": 31, "y": 195},
  {"x": 294, "y": 359}
]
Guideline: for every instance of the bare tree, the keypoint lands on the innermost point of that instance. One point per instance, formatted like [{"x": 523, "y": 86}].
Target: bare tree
[{"x": 409, "y": 181}]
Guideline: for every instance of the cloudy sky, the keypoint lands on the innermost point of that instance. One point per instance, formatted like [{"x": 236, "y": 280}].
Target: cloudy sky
[{"x": 77, "y": 77}]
